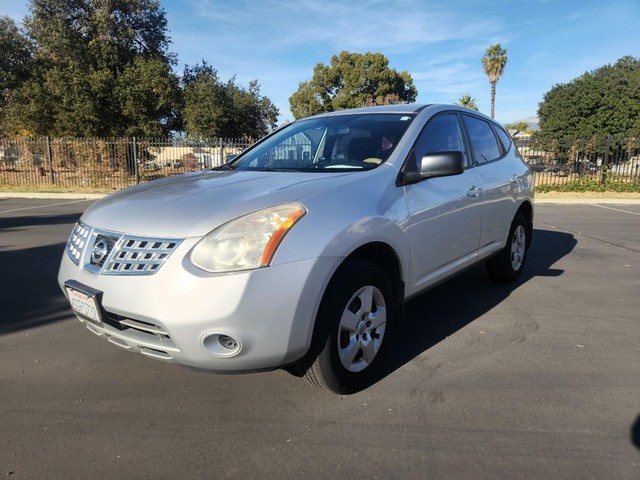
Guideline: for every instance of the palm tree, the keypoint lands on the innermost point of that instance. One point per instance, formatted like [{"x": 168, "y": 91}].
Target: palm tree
[
  {"x": 493, "y": 63},
  {"x": 468, "y": 102}
]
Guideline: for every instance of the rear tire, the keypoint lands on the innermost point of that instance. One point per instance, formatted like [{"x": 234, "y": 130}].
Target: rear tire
[
  {"x": 354, "y": 324},
  {"x": 507, "y": 265}
]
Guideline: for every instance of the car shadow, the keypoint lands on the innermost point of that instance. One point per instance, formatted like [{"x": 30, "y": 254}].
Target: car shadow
[
  {"x": 635, "y": 433},
  {"x": 30, "y": 293},
  {"x": 442, "y": 311}
]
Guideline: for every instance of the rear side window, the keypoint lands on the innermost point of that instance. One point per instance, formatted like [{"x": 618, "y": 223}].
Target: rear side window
[
  {"x": 484, "y": 144},
  {"x": 505, "y": 138}
]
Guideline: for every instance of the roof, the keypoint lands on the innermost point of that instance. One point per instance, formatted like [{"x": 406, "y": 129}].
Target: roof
[{"x": 397, "y": 108}]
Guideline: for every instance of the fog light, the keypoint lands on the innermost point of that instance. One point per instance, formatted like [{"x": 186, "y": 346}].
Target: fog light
[
  {"x": 221, "y": 345},
  {"x": 228, "y": 342}
]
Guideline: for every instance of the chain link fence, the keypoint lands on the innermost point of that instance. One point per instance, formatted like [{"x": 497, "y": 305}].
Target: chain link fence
[
  {"x": 114, "y": 163},
  {"x": 107, "y": 163}
]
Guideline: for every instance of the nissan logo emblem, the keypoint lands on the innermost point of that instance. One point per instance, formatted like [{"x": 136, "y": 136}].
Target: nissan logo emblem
[{"x": 99, "y": 251}]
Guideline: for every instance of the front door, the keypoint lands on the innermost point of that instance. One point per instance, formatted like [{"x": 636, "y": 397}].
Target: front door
[{"x": 445, "y": 213}]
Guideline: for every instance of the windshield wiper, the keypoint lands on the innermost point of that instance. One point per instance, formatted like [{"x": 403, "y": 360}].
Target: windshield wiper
[
  {"x": 272, "y": 169},
  {"x": 224, "y": 166}
]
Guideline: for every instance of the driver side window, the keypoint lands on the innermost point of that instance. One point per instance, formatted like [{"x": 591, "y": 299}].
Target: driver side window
[{"x": 442, "y": 134}]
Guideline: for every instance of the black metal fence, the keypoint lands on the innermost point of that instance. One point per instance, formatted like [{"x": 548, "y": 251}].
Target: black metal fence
[
  {"x": 113, "y": 163},
  {"x": 601, "y": 160},
  {"x": 107, "y": 163}
]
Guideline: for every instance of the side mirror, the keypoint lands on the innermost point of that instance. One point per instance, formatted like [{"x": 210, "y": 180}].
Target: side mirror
[
  {"x": 441, "y": 164},
  {"x": 436, "y": 164}
]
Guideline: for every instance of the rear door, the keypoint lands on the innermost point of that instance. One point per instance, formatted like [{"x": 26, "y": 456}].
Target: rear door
[{"x": 496, "y": 170}]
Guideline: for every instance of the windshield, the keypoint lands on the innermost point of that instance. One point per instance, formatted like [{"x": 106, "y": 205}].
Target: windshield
[{"x": 337, "y": 143}]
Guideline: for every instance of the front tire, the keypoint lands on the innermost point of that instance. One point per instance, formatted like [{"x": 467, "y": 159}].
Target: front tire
[
  {"x": 356, "y": 317},
  {"x": 507, "y": 265}
]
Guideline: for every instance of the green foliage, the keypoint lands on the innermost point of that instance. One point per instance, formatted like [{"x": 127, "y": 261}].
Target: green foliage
[
  {"x": 520, "y": 126},
  {"x": 15, "y": 60},
  {"x": 216, "y": 109},
  {"x": 90, "y": 68},
  {"x": 103, "y": 33},
  {"x": 148, "y": 98},
  {"x": 613, "y": 184},
  {"x": 101, "y": 68},
  {"x": 467, "y": 101},
  {"x": 493, "y": 63},
  {"x": 352, "y": 80},
  {"x": 15, "y": 64},
  {"x": 605, "y": 100}
]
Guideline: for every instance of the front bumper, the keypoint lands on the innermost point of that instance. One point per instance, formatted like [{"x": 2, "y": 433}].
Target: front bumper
[{"x": 179, "y": 312}]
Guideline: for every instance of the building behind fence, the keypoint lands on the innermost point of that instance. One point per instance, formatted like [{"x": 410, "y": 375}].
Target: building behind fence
[{"x": 114, "y": 163}]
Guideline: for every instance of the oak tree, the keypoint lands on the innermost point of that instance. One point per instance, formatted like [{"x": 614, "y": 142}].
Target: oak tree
[{"x": 352, "y": 80}]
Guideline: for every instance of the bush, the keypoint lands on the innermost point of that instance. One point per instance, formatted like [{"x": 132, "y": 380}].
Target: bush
[{"x": 591, "y": 185}]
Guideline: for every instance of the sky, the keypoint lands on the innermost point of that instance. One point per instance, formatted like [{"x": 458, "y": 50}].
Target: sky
[{"x": 440, "y": 43}]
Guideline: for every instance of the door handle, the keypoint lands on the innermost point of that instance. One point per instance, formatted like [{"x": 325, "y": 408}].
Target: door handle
[{"x": 474, "y": 192}]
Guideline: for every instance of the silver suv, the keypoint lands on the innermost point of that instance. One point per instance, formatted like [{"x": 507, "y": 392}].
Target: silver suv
[{"x": 301, "y": 251}]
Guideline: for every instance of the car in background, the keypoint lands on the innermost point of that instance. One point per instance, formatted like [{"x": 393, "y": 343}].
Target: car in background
[
  {"x": 585, "y": 167},
  {"x": 301, "y": 251},
  {"x": 559, "y": 169},
  {"x": 536, "y": 165}
]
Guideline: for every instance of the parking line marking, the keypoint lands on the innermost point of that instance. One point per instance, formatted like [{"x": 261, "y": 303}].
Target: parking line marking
[
  {"x": 49, "y": 205},
  {"x": 580, "y": 234},
  {"x": 616, "y": 209}
]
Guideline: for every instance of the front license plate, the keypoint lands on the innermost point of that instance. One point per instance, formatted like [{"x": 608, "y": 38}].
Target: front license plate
[{"x": 85, "y": 305}]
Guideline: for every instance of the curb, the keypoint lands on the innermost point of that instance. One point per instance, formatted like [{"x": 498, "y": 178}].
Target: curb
[
  {"x": 587, "y": 201},
  {"x": 538, "y": 200},
  {"x": 59, "y": 196}
]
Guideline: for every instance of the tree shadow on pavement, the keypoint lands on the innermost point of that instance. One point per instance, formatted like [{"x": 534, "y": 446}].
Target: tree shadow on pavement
[
  {"x": 11, "y": 224},
  {"x": 31, "y": 246},
  {"x": 447, "y": 308}
]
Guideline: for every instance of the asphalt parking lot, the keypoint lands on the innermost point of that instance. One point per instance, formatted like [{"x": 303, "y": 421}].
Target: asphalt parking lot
[{"x": 535, "y": 380}]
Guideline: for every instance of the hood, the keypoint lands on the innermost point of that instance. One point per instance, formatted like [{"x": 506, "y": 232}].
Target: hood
[{"x": 193, "y": 204}]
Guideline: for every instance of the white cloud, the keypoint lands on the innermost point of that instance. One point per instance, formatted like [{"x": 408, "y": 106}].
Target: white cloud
[{"x": 340, "y": 25}]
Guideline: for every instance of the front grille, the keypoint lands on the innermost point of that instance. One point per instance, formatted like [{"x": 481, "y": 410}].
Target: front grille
[
  {"x": 139, "y": 256},
  {"x": 77, "y": 242},
  {"x": 102, "y": 246},
  {"x": 110, "y": 253}
]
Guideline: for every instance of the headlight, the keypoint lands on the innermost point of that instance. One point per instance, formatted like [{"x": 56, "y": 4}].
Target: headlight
[{"x": 247, "y": 242}]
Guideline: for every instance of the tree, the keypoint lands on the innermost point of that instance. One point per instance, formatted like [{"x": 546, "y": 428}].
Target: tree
[
  {"x": 101, "y": 68},
  {"x": 15, "y": 60},
  {"x": 148, "y": 98},
  {"x": 520, "y": 126},
  {"x": 253, "y": 115},
  {"x": 493, "y": 64},
  {"x": 352, "y": 80},
  {"x": 103, "y": 33},
  {"x": 216, "y": 109},
  {"x": 603, "y": 101},
  {"x": 15, "y": 63},
  {"x": 468, "y": 102}
]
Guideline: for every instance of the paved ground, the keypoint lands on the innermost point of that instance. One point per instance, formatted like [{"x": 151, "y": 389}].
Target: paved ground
[{"x": 536, "y": 380}]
